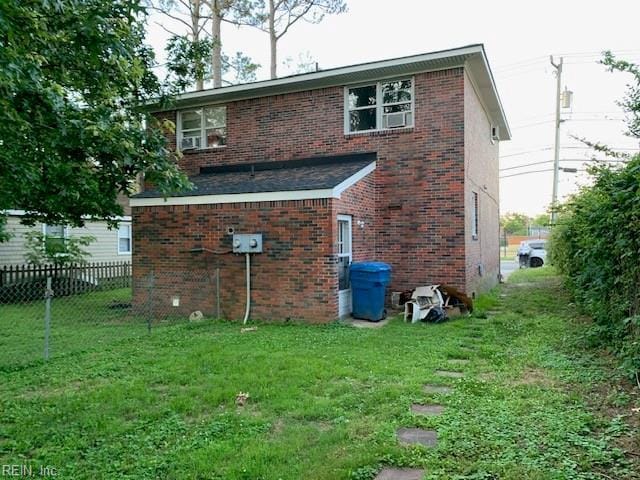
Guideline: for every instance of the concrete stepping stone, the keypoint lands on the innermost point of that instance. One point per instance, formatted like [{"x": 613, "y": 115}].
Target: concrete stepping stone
[
  {"x": 417, "y": 436},
  {"x": 458, "y": 361},
  {"x": 450, "y": 374},
  {"x": 400, "y": 474},
  {"x": 427, "y": 410},
  {"x": 437, "y": 389},
  {"x": 367, "y": 324}
]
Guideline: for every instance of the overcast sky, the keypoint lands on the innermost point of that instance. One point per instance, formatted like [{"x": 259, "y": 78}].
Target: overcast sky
[{"x": 518, "y": 38}]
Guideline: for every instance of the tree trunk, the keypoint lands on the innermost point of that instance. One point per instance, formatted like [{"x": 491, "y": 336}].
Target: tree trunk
[
  {"x": 273, "y": 40},
  {"x": 195, "y": 32},
  {"x": 216, "y": 55}
]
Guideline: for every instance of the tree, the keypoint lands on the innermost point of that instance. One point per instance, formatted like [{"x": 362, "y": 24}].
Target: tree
[
  {"x": 281, "y": 15},
  {"x": 514, "y": 223},
  {"x": 631, "y": 101},
  {"x": 541, "y": 220},
  {"x": 188, "y": 61},
  {"x": 186, "y": 53},
  {"x": 235, "y": 12},
  {"x": 75, "y": 82}
]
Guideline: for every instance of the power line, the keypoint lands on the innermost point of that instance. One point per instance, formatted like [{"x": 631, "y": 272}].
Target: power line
[
  {"x": 537, "y": 171},
  {"x": 583, "y": 160}
]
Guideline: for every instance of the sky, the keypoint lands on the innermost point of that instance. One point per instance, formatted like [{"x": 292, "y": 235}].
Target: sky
[{"x": 518, "y": 37}]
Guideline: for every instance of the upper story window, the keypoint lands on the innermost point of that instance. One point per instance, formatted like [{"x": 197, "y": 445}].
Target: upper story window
[
  {"x": 204, "y": 127},
  {"x": 379, "y": 106}
]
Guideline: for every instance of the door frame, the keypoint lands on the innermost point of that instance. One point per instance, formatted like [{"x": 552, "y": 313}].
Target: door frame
[{"x": 344, "y": 296}]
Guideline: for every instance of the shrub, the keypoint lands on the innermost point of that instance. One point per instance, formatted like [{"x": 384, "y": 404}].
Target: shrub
[{"x": 596, "y": 245}]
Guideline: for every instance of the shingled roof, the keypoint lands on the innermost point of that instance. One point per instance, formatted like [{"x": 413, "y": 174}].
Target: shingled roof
[{"x": 312, "y": 174}]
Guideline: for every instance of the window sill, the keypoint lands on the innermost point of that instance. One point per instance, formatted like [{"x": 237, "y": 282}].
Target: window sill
[
  {"x": 474, "y": 237},
  {"x": 193, "y": 151},
  {"x": 124, "y": 253},
  {"x": 379, "y": 133}
]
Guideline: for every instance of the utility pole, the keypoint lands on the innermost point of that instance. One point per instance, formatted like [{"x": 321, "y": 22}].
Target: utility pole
[{"x": 556, "y": 157}]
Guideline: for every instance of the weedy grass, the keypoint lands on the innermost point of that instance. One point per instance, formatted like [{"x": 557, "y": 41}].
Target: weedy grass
[{"x": 325, "y": 401}]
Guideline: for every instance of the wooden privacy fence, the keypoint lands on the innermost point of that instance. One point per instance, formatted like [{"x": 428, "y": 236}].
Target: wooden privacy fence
[{"x": 26, "y": 282}]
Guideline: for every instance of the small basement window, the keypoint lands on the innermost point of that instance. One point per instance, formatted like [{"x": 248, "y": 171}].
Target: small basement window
[
  {"x": 204, "y": 127},
  {"x": 379, "y": 106}
]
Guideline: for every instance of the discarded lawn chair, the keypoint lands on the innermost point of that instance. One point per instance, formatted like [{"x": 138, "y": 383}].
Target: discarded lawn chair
[{"x": 423, "y": 301}]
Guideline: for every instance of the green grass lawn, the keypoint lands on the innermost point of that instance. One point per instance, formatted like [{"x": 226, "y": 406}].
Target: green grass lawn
[
  {"x": 325, "y": 401},
  {"x": 78, "y": 323}
]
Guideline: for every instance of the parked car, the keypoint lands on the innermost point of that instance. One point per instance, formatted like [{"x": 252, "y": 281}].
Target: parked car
[{"x": 532, "y": 253}]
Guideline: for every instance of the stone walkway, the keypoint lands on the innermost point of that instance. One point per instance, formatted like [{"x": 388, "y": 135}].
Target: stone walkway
[{"x": 409, "y": 436}]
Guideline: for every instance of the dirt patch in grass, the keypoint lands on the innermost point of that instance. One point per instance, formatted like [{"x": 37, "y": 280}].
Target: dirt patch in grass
[{"x": 534, "y": 376}]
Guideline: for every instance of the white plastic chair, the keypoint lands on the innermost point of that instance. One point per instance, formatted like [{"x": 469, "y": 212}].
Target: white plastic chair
[{"x": 423, "y": 299}]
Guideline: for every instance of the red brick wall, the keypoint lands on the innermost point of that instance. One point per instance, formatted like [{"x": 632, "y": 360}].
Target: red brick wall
[
  {"x": 295, "y": 277},
  {"x": 420, "y": 176},
  {"x": 481, "y": 176},
  {"x": 413, "y": 205}
]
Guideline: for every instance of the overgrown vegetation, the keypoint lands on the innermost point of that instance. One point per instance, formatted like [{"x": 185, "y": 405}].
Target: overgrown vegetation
[
  {"x": 326, "y": 400},
  {"x": 596, "y": 243}
]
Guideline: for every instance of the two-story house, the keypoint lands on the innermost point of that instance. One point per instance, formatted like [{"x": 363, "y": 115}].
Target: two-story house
[{"x": 394, "y": 160}]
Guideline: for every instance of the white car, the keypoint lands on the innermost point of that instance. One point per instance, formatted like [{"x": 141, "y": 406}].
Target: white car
[{"x": 532, "y": 253}]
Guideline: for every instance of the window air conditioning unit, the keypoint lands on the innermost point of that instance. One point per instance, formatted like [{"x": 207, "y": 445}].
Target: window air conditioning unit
[
  {"x": 188, "y": 143},
  {"x": 395, "y": 120}
]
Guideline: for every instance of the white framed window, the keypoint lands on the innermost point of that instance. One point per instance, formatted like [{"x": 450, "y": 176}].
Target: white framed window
[
  {"x": 55, "y": 236},
  {"x": 202, "y": 127},
  {"x": 475, "y": 215},
  {"x": 124, "y": 239},
  {"x": 344, "y": 251},
  {"x": 380, "y": 105}
]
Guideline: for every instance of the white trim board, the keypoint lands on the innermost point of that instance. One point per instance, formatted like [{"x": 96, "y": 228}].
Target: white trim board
[
  {"x": 334, "y": 192},
  {"x": 21, "y": 213}
]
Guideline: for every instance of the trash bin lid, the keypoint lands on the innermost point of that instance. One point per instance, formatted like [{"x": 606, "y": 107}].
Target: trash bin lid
[{"x": 370, "y": 267}]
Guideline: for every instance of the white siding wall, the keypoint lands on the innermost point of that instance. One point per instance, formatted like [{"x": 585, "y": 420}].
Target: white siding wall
[{"x": 103, "y": 249}]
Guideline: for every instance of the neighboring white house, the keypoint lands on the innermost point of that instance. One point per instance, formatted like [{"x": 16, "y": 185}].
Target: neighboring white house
[{"x": 109, "y": 245}]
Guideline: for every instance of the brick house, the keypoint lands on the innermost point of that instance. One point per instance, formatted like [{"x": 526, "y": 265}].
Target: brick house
[{"x": 395, "y": 161}]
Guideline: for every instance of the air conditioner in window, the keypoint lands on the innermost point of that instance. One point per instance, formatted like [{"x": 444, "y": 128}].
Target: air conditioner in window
[
  {"x": 188, "y": 143},
  {"x": 395, "y": 120}
]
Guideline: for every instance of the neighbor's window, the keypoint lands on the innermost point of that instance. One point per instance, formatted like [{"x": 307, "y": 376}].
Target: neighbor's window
[
  {"x": 475, "y": 216},
  {"x": 204, "y": 127},
  {"x": 54, "y": 236},
  {"x": 124, "y": 239},
  {"x": 378, "y": 106}
]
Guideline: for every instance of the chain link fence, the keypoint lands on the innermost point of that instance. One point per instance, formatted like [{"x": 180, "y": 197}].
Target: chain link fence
[{"x": 51, "y": 312}]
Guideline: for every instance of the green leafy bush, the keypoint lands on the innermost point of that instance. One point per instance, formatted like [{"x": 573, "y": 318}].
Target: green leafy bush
[{"x": 596, "y": 245}]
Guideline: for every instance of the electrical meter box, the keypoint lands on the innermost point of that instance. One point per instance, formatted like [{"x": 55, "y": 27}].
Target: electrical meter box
[{"x": 247, "y": 243}]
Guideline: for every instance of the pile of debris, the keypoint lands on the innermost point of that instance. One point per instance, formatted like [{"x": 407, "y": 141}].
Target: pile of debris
[{"x": 434, "y": 303}]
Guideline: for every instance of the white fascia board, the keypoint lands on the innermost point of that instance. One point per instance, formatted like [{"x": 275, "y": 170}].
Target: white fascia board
[
  {"x": 22, "y": 213},
  {"x": 334, "y": 192},
  {"x": 232, "y": 198},
  {"x": 353, "y": 179}
]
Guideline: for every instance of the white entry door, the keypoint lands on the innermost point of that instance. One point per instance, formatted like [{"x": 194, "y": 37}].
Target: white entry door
[{"x": 344, "y": 260}]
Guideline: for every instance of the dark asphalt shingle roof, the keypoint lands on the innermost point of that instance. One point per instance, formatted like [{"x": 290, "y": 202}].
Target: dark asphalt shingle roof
[{"x": 302, "y": 174}]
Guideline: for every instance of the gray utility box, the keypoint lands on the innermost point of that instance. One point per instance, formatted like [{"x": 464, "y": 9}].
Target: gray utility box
[{"x": 247, "y": 243}]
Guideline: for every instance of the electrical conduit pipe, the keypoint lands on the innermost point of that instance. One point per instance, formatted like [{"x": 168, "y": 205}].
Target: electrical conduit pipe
[{"x": 248, "y": 307}]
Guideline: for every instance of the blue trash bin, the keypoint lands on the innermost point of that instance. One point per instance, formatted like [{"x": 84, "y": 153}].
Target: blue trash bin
[{"x": 369, "y": 281}]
